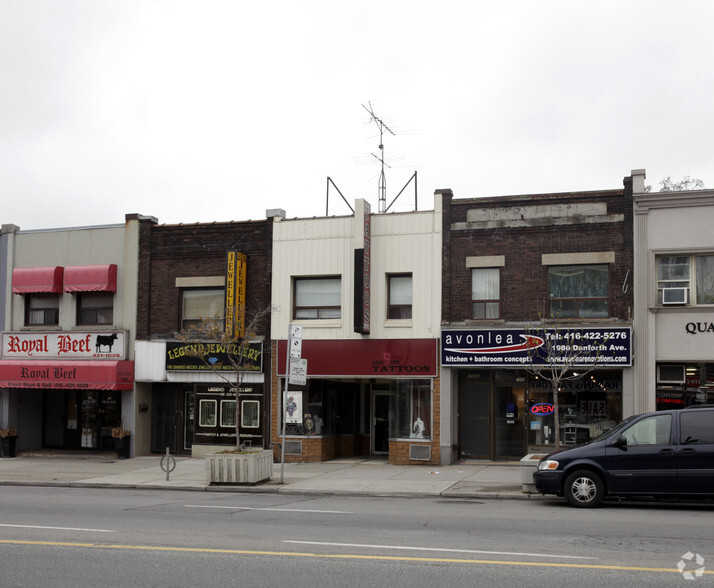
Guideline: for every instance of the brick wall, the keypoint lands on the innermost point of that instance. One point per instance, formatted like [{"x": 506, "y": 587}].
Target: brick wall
[
  {"x": 199, "y": 250},
  {"x": 524, "y": 281}
]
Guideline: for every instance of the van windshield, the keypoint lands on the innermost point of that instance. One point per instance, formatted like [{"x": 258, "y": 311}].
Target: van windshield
[{"x": 615, "y": 429}]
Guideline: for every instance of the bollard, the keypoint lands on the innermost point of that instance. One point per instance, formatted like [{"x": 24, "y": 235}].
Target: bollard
[{"x": 168, "y": 463}]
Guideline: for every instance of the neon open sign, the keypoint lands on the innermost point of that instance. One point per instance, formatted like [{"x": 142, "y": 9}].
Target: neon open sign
[{"x": 542, "y": 409}]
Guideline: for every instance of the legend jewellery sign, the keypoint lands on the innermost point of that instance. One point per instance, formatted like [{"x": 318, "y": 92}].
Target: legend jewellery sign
[
  {"x": 57, "y": 345},
  {"x": 605, "y": 347}
]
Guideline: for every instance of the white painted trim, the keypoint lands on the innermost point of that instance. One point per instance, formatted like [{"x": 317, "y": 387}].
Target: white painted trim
[
  {"x": 486, "y": 261},
  {"x": 588, "y": 257},
  {"x": 201, "y": 282}
]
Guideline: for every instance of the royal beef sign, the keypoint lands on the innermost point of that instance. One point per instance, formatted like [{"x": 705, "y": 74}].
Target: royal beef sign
[{"x": 64, "y": 345}]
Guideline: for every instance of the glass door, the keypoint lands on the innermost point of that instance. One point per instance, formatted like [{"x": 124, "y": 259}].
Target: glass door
[
  {"x": 380, "y": 422},
  {"x": 509, "y": 434}
]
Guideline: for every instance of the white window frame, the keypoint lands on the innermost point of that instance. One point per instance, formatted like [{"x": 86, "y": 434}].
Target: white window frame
[
  {"x": 212, "y": 419},
  {"x": 225, "y": 414},
  {"x": 398, "y": 299},
  {"x": 691, "y": 282},
  {"x": 215, "y": 312},
  {"x": 317, "y": 295},
  {"x": 488, "y": 303}
]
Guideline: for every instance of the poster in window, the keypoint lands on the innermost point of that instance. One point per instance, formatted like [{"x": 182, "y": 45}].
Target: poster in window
[{"x": 293, "y": 407}]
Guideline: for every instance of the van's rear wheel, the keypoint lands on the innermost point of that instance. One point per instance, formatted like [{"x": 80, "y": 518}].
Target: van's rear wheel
[{"x": 584, "y": 489}]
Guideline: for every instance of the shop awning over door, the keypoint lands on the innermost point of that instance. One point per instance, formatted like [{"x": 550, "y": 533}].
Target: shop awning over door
[
  {"x": 90, "y": 278},
  {"x": 37, "y": 280},
  {"x": 67, "y": 375}
]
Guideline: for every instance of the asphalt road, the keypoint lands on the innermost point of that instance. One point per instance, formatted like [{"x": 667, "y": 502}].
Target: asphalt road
[{"x": 103, "y": 537}]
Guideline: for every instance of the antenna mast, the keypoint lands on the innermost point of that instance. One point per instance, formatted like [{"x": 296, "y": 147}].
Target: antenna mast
[{"x": 381, "y": 125}]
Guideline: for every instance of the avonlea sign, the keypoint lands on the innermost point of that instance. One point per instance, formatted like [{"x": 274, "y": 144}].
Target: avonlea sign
[{"x": 600, "y": 346}]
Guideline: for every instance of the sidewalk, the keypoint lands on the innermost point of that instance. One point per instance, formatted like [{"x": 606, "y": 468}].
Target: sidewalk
[{"x": 348, "y": 476}]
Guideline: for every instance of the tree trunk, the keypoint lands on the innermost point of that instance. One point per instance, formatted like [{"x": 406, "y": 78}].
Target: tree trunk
[{"x": 556, "y": 413}]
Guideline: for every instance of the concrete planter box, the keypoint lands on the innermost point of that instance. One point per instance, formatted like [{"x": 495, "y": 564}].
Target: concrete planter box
[
  {"x": 529, "y": 464},
  {"x": 239, "y": 468}
]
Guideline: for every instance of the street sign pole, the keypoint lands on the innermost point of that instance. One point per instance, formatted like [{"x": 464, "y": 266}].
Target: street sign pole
[{"x": 294, "y": 337}]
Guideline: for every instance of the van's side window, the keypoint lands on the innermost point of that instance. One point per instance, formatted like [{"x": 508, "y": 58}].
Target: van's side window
[
  {"x": 654, "y": 430},
  {"x": 697, "y": 427}
]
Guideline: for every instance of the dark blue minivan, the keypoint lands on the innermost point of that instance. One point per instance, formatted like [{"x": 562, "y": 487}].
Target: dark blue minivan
[{"x": 665, "y": 453}]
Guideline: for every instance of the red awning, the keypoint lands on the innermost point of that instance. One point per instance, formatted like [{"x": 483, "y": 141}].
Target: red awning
[
  {"x": 67, "y": 375},
  {"x": 35, "y": 280},
  {"x": 90, "y": 278}
]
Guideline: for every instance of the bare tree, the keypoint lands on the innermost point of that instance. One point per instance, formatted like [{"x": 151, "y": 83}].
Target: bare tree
[
  {"x": 669, "y": 185},
  {"x": 559, "y": 352},
  {"x": 210, "y": 338}
]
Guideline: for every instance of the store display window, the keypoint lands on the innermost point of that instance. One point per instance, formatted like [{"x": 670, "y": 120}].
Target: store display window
[{"x": 588, "y": 406}]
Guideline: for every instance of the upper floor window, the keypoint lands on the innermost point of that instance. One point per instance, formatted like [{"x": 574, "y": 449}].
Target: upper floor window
[
  {"x": 95, "y": 308},
  {"x": 578, "y": 291},
  {"x": 42, "y": 309},
  {"x": 685, "y": 279},
  {"x": 317, "y": 298},
  {"x": 400, "y": 296},
  {"x": 199, "y": 304},
  {"x": 485, "y": 293}
]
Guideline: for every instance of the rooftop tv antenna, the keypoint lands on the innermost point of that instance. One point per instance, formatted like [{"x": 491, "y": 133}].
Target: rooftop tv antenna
[{"x": 382, "y": 126}]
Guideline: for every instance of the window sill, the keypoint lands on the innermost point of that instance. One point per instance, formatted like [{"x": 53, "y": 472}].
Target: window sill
[
  {"x": 318, "y": 323},
  {"x": 397, "y": 323}
]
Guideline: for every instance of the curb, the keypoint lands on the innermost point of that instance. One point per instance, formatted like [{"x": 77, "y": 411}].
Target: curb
[{"x": 277, "y": 489}]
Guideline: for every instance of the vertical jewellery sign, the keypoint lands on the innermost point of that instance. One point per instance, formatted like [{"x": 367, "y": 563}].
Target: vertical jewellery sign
[
  {"x": 236, "y": 265},
  {"x": 362, "y": 268}
]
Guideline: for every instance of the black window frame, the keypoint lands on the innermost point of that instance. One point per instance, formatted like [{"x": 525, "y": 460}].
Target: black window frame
[
  {"x": 51, "y": 311},
  {"x": 95, "y": 311}
]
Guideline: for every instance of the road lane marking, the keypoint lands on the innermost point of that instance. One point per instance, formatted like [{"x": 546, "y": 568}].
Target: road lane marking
[
  {"x": 58, "y": 528},
  {"x": 271, "y": 509},
  {"x": 532, "y": 564},
  {"x": 440, "y": 549}
]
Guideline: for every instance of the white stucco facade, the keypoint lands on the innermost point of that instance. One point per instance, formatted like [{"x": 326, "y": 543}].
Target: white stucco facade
[{"x": 678, "y": 337}]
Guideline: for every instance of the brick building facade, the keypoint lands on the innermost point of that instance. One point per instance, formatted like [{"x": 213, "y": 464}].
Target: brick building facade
[
  {"x": 184, "y": 277},
  {"x": 516, "y": 263}
]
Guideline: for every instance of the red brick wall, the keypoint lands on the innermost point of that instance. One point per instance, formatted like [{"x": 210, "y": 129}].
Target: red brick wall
[{"x": 524, "y": 282}]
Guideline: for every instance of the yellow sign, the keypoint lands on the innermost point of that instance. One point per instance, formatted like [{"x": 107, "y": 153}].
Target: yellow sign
[{"x": 236, "y": 273}]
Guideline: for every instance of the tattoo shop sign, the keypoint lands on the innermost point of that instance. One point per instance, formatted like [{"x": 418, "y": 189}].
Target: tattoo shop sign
[{"x": 604, "y": 347}]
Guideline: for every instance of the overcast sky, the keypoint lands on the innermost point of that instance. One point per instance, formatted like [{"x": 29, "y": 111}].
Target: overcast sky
[{"x": 215, "y": 110}]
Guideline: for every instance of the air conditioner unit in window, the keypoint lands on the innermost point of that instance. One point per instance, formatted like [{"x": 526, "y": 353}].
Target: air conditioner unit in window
[{"x": 675, "y": 295}]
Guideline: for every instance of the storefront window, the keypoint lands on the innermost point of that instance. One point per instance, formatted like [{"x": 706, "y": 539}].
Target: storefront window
[
  {"x": 207, "y": 413},
  {"x": 588, "y": 406},
  {"x": 682, "y": 385},
  {"x": 250, "y": 414},
  {"x": 228, "y": 413},
  {"x": 411, "y": 410}
]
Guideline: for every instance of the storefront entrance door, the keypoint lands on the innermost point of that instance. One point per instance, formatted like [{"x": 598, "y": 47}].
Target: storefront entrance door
[
  {"x": 491, "y": 424},
  {"x": 475, "y": 421},
  {"x": 380, "y": 422},
  {"x": 172, "y": 421}
]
